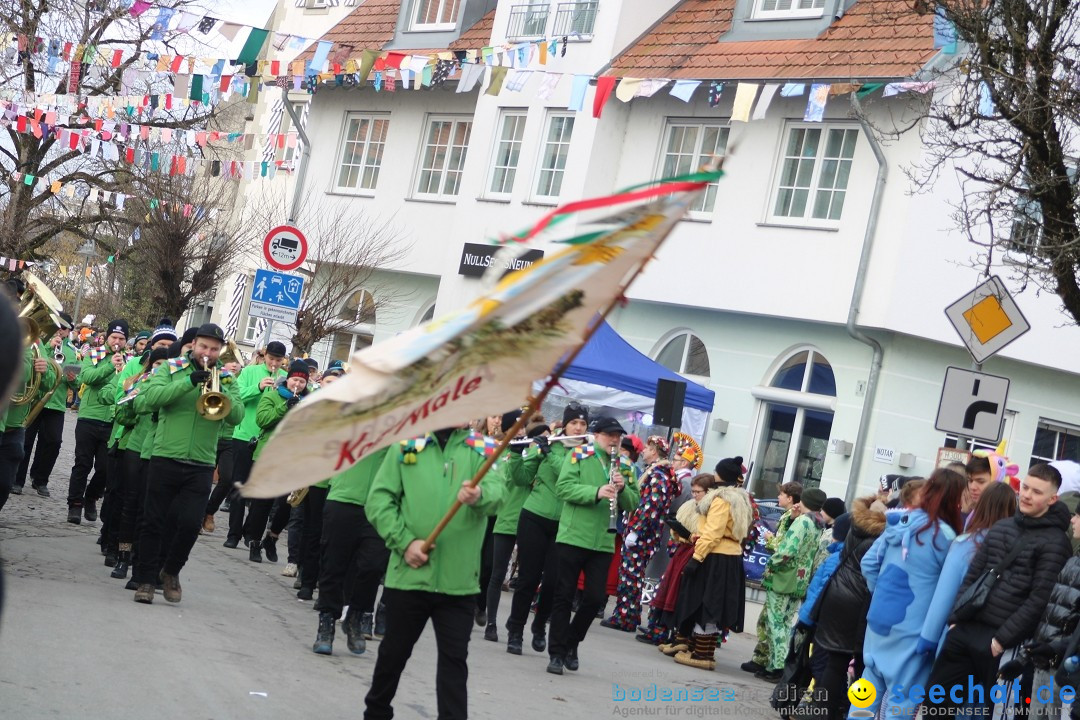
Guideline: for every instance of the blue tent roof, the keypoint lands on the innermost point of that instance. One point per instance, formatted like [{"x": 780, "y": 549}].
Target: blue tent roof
[{"x": 610, "y": 361}]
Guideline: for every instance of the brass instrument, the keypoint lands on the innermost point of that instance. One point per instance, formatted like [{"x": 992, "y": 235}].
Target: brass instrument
[
  {"x": 231, "y": 353},
  {"x": 613, "y": 473},
  {"x": 39, "y": 317},
  {"x": 212, "y": 403},
  {"x": 296, "y": 497}
]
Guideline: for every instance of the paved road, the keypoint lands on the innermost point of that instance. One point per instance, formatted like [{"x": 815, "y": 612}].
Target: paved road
[{"x": 73, "y": 644}]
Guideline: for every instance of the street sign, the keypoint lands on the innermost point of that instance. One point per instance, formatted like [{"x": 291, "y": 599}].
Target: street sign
[
  {"x": 276, "y": 296},
  {"x": 972, "y": 404},
  {"x": 987, "y": 319},
  {"x": 285, "y": 247}
]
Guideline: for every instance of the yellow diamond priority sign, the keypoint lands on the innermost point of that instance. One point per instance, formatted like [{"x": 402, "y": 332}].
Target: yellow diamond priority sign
[{"x": 987, "y": 319}]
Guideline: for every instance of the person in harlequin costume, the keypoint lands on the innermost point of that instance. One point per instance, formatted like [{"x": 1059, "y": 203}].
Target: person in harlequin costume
[{"x": 643, "y": 534}]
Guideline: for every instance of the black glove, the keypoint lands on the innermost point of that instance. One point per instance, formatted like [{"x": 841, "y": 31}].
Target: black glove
[
  {"x": 1042, "y": 651},
  {"x": 691, "y": 567},
  {"x": 1011, "y": 670},
  {"x": 291, "y": 402},
  {"x": 200, "y": 377},
  {"x": 542, "y": 444},
  {"x": 803, "y": 627}
]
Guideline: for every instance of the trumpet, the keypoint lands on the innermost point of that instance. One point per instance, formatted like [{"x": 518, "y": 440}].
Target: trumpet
[
  {"x": 213, "y": 404},
  {"x": 613, "y": 507}
]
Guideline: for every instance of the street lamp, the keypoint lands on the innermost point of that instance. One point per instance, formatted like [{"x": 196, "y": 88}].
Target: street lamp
[{"x": 86, "y": 252}]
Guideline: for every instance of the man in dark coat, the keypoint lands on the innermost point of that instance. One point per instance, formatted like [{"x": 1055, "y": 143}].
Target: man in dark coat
[{"x": 1017, "y": 600}]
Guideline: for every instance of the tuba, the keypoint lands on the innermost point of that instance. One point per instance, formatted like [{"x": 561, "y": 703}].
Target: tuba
[
  {"x": 213, "y": 404},
  {"x": 232, "y": 353},
  {"x": 39, "y": 318}
]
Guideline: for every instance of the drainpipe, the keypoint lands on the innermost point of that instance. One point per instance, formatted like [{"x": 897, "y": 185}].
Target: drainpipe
[{"x": 852, "y": 326}]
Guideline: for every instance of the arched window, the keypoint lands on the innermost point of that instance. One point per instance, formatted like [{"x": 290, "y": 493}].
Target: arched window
[
  {"x": 795, "y": 421},
  {"x": 359, "y": 308},
  {"x": 685, "y": 354},
  {"x": 427, "y": 315}
]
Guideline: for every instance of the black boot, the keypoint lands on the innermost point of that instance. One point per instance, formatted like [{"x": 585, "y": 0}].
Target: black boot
[
  {"x": 123, "y": 562},
  {"x": 571, "y": 661},
  {"x": 354, "y": 633},
  {"x": 324, "y": 640},
  {"x": 555, "y": 665},
  {"x": 305, "y": 593},
  {"x": 74, "y": 515},
  {"x": 90, "y": 510},
  {"x": 255, "y": 554},
  {"x": 539, "y": 638},
  {"x": 111, "y": 555},
  {"x": 380, "y": 621},
  {"x": 269, "y": 546},
  {"x": 491, "y": 633},
  {"x": 365, "y": 626},
  {"x": 231, "y": 542},
  {"x": 513, "y": 642}
]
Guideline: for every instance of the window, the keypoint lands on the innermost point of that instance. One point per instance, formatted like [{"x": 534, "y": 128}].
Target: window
[
  {"x": 434, "y": 14},
  {"x": 359, "y": 309},
  {"x": 553, "y": 158},
  {"x": 527, "y": 21},
  {"x": 251, "y": 330},
  {"x": 814, "y": 174},
  {"x": 507, "y": 152},
  {"x": 786, "y": 9},
  {"x": 444, "y": 157},
  {"x": 688, "y": 147},
  {"x": 345, "y": 344},
  {"x": 575, "y": 19},
  {"x": 1054, "y": 441},
  {"x": 200, "y": 314},
  {"x": 362, "y": 151},
  {"x": 286, "y": 154},
  {"x": 685, "y": 354}
]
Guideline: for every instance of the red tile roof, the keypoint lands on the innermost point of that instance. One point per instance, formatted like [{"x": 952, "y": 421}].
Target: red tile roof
[{"x": 875, "y": 39}]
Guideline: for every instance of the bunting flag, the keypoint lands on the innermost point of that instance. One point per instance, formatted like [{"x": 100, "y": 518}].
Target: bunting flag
[{"x": 457, "y": 367}]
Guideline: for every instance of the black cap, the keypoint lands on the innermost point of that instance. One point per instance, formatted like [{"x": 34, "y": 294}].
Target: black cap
[
  {"x": 276, "y": 349},
  {"x": 312, "y": 363},
  {"x": 575, "y": 411},
  {"x": 118, "y": 326},
  {"x": 508, "y": 419},
  {"x": 67, "y": 318},
  {"x": 212, "y": 331},
  {"x": 607, "y": 424},
  {"x": 188, "y": 336},
  {"x": 834, "y": 507}
]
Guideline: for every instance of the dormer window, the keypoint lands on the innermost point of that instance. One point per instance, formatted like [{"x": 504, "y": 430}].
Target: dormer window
[
  {"x": 434, "y": 14},
  {"x": 788, "y": 9}
]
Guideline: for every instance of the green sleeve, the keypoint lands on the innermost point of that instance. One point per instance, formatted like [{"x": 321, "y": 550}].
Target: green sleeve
[
  {"x": 96, "y": 375},
  {"x": 163, "y": 389},
  {"x": 492, "y": 491},
  {"x": 788, "y": 547},
  {"x": 571, "y": 489},
  {"x": 249, "y": 384},
  {"x": 521, "y": 471},
  {"x": 236, "y": 414},
  {"x": 383, "y": 507},
  {"x": 269, "y": 411}
]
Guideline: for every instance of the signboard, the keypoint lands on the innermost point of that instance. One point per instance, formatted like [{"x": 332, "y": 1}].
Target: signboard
[
  {"x": 476, "y": 259},
  {"x": 987, "y": 319},
  {"x": 276, "y": 296},
  {"x": 972, "y": 404},
  {"x": 285, "y": 247},
  {"x": 947, "y": 456},
  {"x": 884, "y": 455}
]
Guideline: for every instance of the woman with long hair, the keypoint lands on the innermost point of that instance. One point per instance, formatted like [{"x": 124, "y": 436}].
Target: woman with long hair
[{"x": 902, "y": 569}]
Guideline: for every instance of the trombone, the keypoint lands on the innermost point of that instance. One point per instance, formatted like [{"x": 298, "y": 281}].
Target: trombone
[{"x": 213, "y": 404}]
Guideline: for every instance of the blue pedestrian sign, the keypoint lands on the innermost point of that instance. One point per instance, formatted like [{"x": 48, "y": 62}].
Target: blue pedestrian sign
[{"x": 276, "y": 296}]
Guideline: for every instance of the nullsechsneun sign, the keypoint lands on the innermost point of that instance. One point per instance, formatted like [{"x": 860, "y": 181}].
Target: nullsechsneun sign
[{"x": 476, "y": 259}]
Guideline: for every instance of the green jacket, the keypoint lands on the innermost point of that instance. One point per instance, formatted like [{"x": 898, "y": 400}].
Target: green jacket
[
  {"x": 353, "y": 485},
  {"x": 543, "y": 500},
  {"x": 16, "y": 414},
  {"x": 790, "y": 566},
  {"x": 183, "y": 434},
  {"x": 268, "y": 413},
  {"x": 585, "y": 519},
  {"x": 95, "y": 375},
  {"x": 415, "y": 486},
  {"x": 518, "y": 481},
  {"x": 58, "y": 401},
  {"x": 249, "y": 394}
]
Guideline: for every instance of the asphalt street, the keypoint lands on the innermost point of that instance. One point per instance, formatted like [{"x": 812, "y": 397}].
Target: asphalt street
[{"x": 74, "y": 645}]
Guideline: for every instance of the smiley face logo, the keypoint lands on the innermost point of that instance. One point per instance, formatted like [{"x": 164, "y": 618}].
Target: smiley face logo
[{"x": 862, "y": 693}]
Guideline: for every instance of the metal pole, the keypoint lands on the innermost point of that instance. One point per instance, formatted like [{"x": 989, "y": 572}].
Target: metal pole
[
  {"x": 82, "y": 284},
  {"x": 305, "y": 155},
  {"x": 963, "y": 442}
]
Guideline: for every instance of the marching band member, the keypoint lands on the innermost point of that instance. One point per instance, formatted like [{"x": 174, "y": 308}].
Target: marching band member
[
  {"x": 586, "y": 539},
  {"x": 48, "y": 427},
  {"x": 94, "y": 427},
  {"x": 416, "y": 484},
  {"x": 224, "y": 485},
  {"x": 253, "y": 381},
  {"x": 181, "y": 463},
  {"x": 11, "y": 424},
  {"x": 538, "y": 526}
]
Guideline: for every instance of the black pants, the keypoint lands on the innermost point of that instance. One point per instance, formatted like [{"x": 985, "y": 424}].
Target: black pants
[
  {"x": 184, "y": 488},
  {"x": 48, "y": 430},
  {"x": 350, "y": 547},
  {"x": 295, "y": 529},
  {"x": 567, "y": 633},
  {"x": 407, "y": 613},
  {"x": 833, "y": 682},
  {"x": 264, "y": 511},
  {"x": 501, "y": 550},
  {"x": 486, "y": 557},
  {"x": 135, "y": 469},
  {"x": 242, "y": 463},
  {"x": 310, "y": 536},
  {"x": 91, "y": 444},
  {"x": 967, "y": 654},
  {"x": 225, "y": 474},
  {"x": 11, "y": 454},
  {"x": 537, "y": 558},
  {"x": 112, "y": 505}
]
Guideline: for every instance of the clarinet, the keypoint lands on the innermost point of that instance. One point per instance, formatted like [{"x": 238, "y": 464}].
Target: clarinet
[{"x": 613, "y": 472}]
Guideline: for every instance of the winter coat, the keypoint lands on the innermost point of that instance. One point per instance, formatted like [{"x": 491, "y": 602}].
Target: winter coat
[
  {"x": 269, "y": 412},
  {"x": 819, "y": 582},
  {"x": 647, "y": 519},
  {"x": 97, "y": 371},
  {"x": 790, "y": 566},
  {"x": 518, "y": 483},
  {"x": 952, "y": 574},
  {"x": 249, "y": 394},
  {"x": 416, "y": 484},
  {"x": 841, "y": 614},
  {"x": 585, "y": 517},
  {"x": 543, "y": 469},
  {"x": 58, "y": 401},
  {"x": 353, "y": 485},
  {"x": 1018, "y": 598},
  {"x": 15, "y": 415},
  {"x": 727, "y": 521}
]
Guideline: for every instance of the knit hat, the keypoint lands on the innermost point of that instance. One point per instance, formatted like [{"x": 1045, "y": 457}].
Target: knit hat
[
  {"x": 729, "y": 470},
  {"x": 634, "y": 445},
  {"x": 834, "y": 507},
  {"x": 508, "y": 420},
  {"x": 841, "y": 526},
  {"x": 298, "y": 368},
  {"x": 118, "y": 326},
  {"x": 537, "y": 429},
  {"x": 575, "y": 411},
  {"x": 164, "y": 331},
  {"x": 153, "y": 356},
  {"x": 141, "y": 335},
  {"x": 188, "y": 336},
  {"x": 335, "y": 368},
  {"x": 813, "y": 499}
]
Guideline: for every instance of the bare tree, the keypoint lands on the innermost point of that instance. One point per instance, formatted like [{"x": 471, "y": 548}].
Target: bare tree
[
  {"x": 348, "y": 249},
  {"x": 1005, "y": 118}
]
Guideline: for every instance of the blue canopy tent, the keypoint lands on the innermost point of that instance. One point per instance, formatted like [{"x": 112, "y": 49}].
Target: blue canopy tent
[{"x": 609, "y": 372}]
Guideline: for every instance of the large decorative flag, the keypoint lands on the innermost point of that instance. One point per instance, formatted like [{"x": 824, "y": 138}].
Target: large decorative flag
[{"x": 483, "y": 358}]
